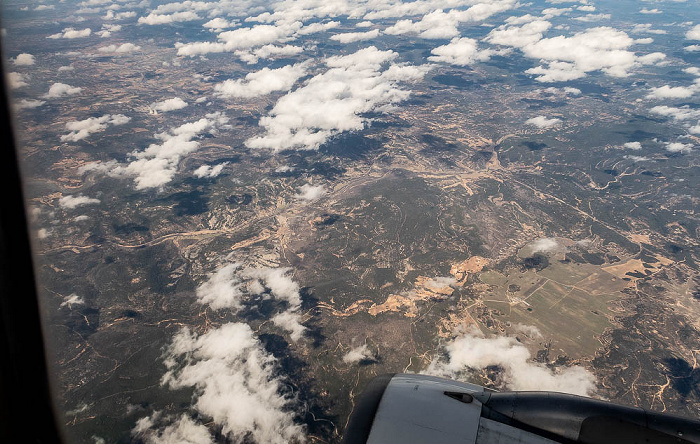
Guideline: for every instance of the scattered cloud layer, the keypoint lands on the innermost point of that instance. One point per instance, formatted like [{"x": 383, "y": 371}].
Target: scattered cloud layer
[
  {"x": 236, "y": 382},
  {"x": 237, "y": 385},
  {"x": 156, "y": 166},
  {"x": 472, "y": 351},
  {"x": 565, "y": 58}
]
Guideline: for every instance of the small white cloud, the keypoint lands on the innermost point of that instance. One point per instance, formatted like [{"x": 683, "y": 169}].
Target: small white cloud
[
  {"x": 310, "y": 192},
  {"x": 693, "y": 33},
  {"x": 17, "y": 80},
  {"x": 210, "y": 171},
  {"x": 107, "y": 30},
  {"x": 156, "y": 165},
  {"x": 44, "y": 7},
  {"x": 29, "y": 103},
  {"x": 460, "y": 51},
  {"x": 71, "y": 33},
  {"x": 650, "y": 11},
  {"x": 350, "y": 37},
  {"x": 81, "y": 218},
  {"x": 71, "y": 202},
  {"x": 218, "y": 24},
  {"x": 544, "y": 245},
  {"x": 262, "y": 82},
  {"x": 80, "y": 129},
  {"x": 237, "y": 385},
  {"x": 358, "y": 354},
  {"x": 633, "y": 145},
  {"x": 71, "y": 300},
  {"x": 162, "y": 19},
  {"x": 472, "y": 351},
  {"x": 672, "y": 92},
  {"x": 66, "y": 68},
  {"x": 678, "y": 147},
  {"x": 58, "y": 90},
  {"x": 24, "y": 59},
  {"x": 637, "y": 158},
  {"x": 124, "y": 48},
  {"x": 542, "y": 122},
  {"x": 168, "y": 105},
  {"x": 692, "y": 48}
]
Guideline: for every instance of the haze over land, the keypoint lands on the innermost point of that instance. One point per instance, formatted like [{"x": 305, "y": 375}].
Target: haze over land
[{"x": 246, "y": 210}]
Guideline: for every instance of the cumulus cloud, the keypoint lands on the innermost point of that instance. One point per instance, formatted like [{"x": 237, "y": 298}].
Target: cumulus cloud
[
  {"x": 71, "y": 202},
  {"x": 650, "y": 11},
  {"x": 218, "y": 24},
  {"x": 438, "y": 24},
  {"x": 544, "y": 245},
  {"x": 678, "y": 147},
  {"x": 672, "y": 92},
  {"x": 162, "y": 19},
  {"x": 168, "y": 105},
  {"x": 637, "y": 158},
  {"x": 17, "y": 80},
  {"x": 633, "y": 145},
  {"x": 566, "y": 58},
  {"x": 71, "y": 300},
  {"x": 310, "y": 192},
  {"x": 677, "y": 113},
  {"x": 262, "y": 82},
  {"x": 182, "y": 430},
  {"x": 542, "y": 122},
  {"x": 111, "y": 15},
  {"x": 646, "y": 28},
  {"x": 24, "y": 59},
  {"x": 29, "y": 103},
  {"x": 350, "y": 37},
  {"x": 358, "y": 354},
  {"x": 242, "y": 38},
  {"x": 692, "y": 48},
  {"x": 232, "y": 285},
  {"x": 472, "y": 351},
  {"x": 156, "y": 165},
  {"x": 58, "y": 90},
  {"x": 252, "y": 56},
  {"x": 461, "y": 51},
  {"x": 237, "y": 385},
  {"x": 693, "y": 33},
  {"x": 107, "y": 30},
  {"x": 223, "y": 289},
  {"x": 210, "y": 171},
  {"x": 71, "y": 33},
  {"x": 120, "y": 49},
  {"x": 333, "y": 101},
  {"x": 80, "y": 129}
]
